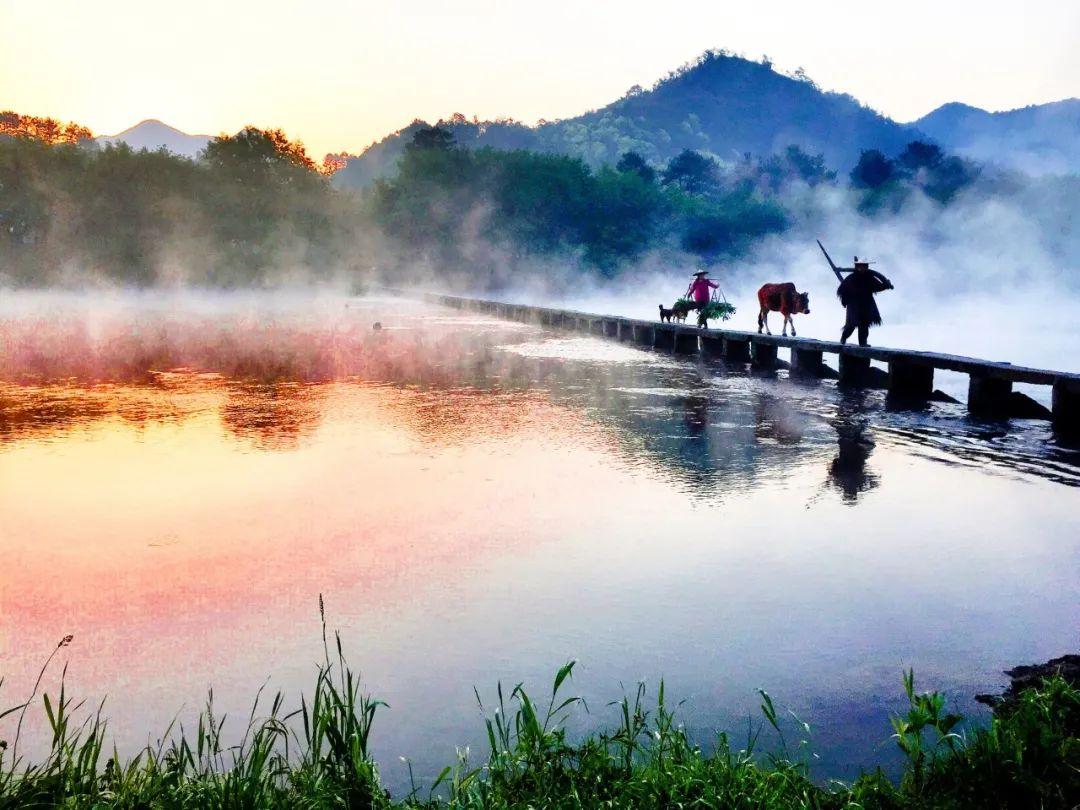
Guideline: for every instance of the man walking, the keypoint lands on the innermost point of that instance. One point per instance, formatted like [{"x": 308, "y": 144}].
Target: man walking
[{"x": 856, "y": 293}]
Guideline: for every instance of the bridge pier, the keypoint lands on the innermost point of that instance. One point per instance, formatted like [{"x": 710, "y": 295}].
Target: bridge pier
[
  {"x": 736, "y": 350},
  {"x": 663, "y": 337},
  {"x": 611, "y": 327},
  {"x": 806, "y": 362},
  {"x": 712, "y": 345},
  {"x": 685, "y": 343},
  {"x": 763, "y": 355},
  {"x": 1065, "y": 410},
  {"x": 853, "y": 369},
  {"x": 642, "y": 333},
  {"x": 623, "y": 330},
  {"x": 912, "y": 381},
  {"x": 988, "y": 396}
]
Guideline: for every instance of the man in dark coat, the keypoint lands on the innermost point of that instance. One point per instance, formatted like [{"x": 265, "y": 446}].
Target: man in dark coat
[{"x": 856, "y": 293}]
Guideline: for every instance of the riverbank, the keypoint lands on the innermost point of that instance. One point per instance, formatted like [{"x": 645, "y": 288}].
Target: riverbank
[{"x": 318, "y": 755}]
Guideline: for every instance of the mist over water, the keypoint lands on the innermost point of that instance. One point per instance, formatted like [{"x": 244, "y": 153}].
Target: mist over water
[
  {"x": 983, "y": 277},
  {"x": 480, "y": 500}
]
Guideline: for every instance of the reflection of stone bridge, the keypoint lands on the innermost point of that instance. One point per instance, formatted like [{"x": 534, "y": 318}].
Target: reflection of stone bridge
[{"x": 910, "y": 375}]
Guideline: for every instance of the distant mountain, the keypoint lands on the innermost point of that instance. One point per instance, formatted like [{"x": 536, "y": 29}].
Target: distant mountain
[
  {"x": 721, "y": 104},
  {"x": 153, "y": 134},
  {"x": 1041, "y": 139}
]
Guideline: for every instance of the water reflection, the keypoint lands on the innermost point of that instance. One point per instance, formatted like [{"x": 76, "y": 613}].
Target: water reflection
[
  {"x": 709, "y": 427},
  {"x": 499, "y": 499},
  {"x": 272, "y": 416},
  {"x": 848, "y": 471}
]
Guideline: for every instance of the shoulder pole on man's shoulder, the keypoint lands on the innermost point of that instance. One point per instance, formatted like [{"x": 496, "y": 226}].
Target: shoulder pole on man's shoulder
[{"x": 835, "y": 269}]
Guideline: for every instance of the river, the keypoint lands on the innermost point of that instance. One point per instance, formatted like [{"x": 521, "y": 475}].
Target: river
[{"x": 476, "y": 500}]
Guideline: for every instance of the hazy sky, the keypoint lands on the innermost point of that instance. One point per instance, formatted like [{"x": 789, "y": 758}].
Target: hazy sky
[{"x": 341, "y": 74}]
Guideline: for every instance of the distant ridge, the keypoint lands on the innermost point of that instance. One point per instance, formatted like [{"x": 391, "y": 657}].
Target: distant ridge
[
  {"x": 727, "y": 106},
  {"x": 153, "y": 134},
  {"x": 1037, "y": 140},
  {"x": 721, "y": 104}
]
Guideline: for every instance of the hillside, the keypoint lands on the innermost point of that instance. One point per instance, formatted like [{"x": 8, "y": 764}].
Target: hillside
[
  {"x": 152, "y": 134},
  {"x": 1037, "y": 140},
  {"x": 720, "y": 104}
]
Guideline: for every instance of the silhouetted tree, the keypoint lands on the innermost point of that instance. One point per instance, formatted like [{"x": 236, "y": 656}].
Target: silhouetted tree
[
  {"x": 691, "y": 171},
  {"x": 252, "y": 145},
  {"x": 948, "y": 177},
  {"x": 46, "y": 130},
  {"x": 873, "y": 170},
  {"x": 433, "y": 138},
  {"x": 633, "y": 162},
  {"x": 811, "y": 169},
  {"x": 919, "y": 154}
]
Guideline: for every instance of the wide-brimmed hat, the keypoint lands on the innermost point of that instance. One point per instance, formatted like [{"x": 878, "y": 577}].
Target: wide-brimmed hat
[{"x": 702, "y": 273}]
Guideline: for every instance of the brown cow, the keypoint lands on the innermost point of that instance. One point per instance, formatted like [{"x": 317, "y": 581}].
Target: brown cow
[{"x": 782, "y": 298}]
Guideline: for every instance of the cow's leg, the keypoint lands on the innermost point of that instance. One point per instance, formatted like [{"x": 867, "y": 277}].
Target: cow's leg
[
  {"x": 790, "y": 318},
  {"x": 786, "y": 319},
  {"x": 764, "y": 321},
  {"x": 760, "y": 319}
]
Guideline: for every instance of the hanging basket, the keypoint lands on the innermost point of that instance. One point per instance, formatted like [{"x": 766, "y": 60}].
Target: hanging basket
[{"x": 718, "y": 308}]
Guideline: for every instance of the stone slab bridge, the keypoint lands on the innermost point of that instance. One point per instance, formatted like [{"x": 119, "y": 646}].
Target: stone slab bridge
[{"x": 910, "y": 376}]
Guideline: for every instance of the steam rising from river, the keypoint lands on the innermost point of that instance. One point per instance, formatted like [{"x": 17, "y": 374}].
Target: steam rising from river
[
  {"x": 988, "y": 276},
  {"x": 992, "y": 274}
]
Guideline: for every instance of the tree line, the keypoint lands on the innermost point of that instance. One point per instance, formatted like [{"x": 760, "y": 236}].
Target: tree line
[
  {"x": 255, "y": 209},
  {"x": 252, "y": 209}
]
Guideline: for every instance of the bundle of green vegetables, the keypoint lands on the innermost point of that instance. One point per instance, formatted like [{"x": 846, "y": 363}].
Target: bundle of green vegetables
[
  {"x": 714, "y": 310},
  {"x": 718, "y": 311}
]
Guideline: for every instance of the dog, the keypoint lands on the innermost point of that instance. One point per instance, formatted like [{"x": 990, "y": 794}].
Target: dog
[{"x": 676, "y": 314}]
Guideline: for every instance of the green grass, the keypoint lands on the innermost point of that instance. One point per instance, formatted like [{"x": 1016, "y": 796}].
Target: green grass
[{"x": 319, "y": 756}]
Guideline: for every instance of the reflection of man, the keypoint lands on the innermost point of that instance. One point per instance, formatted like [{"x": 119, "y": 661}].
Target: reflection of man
[
  {"x": 696, "y": 414},
  {"x": 856, "y": 293},
  {"x": 847, "y": 472}
]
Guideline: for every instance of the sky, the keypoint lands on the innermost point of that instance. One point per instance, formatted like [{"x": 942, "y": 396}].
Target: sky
[{"x": 342, "y": 74}]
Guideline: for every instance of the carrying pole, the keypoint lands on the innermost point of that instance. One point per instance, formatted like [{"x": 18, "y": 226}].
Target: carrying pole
[{"x": 835, "y": 269}]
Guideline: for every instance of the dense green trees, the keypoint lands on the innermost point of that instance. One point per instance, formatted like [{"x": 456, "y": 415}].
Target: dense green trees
[
  {"x": 541, "y": 204},
  {"x": 887, "y": 183},
  {"x": 255, "y": 209},
  {"x": 252, "y": 210}
]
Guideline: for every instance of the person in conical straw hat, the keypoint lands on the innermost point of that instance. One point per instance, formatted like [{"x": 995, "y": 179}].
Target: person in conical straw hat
[{"x": 700, "y": 289}]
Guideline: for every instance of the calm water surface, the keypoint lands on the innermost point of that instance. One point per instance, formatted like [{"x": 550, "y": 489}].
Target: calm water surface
[{"x": 478, "y": 500}]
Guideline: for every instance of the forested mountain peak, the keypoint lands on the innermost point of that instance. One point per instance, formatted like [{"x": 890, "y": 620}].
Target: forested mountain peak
[{"x": 720, "y": 104}]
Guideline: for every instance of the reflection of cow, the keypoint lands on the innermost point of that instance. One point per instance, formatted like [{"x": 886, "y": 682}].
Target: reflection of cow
[{"x": 782, "y": 298}]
